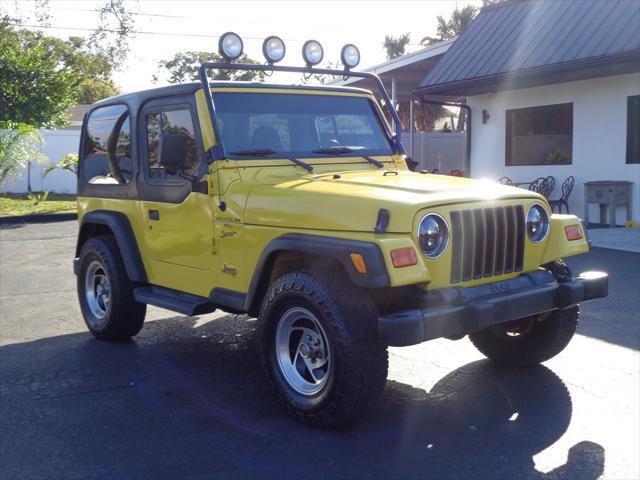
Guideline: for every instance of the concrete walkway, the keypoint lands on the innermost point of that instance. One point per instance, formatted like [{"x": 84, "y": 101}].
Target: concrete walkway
[{"x": 625, "y": 239}]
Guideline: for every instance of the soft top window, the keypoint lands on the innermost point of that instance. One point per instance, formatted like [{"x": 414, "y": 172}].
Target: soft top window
[
  {"x": 297, "y": 125},
  {"x": 106, "y": 156}
]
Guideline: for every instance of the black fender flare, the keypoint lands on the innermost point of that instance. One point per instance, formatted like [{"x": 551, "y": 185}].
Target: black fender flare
[
  {"x": 119, "y": 224},
  {"x": 337, "y": 248}
]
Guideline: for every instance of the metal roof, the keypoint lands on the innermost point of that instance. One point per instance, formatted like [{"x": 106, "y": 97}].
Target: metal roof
[
  {"x": 523, "y": 43},
  {"x": 407, "y": 69}
]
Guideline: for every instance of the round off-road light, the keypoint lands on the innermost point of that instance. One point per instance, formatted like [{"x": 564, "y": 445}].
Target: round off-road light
[
  {"x": 537, "y": 223},
  {"x": 273, "y": 49},
  {"x": 350, "y": 56},
  {"x": 433, "y": 235},
  {"x": 230, "y": 46},
  {"x": 312, "y": 52}
]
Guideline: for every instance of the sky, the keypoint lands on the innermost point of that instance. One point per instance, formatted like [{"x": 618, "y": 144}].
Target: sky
[{"x": 195, "y": 25}]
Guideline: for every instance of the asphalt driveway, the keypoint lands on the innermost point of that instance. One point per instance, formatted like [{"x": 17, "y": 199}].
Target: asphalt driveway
[{"x": 187, "y": 399}]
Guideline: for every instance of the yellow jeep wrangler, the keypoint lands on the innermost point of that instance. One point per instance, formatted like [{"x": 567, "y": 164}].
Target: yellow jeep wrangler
[{"x": 294, "y": 204}]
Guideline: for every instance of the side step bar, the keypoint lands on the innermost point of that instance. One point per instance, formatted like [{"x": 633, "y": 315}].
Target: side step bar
[{"x": 180, "y": 302}]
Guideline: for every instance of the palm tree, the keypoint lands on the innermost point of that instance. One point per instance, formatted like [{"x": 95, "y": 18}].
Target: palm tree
[
  {"x": 395, "y": 46},
  {"x": 459, "y": 21},
  {"x": 19, "y": 146}
]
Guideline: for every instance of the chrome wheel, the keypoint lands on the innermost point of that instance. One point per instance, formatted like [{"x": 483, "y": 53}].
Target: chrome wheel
[
  {"x": 302, "y": 350},
  {"x": 97, "y": 290}
]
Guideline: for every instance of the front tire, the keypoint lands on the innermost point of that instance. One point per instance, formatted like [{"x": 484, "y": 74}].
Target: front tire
[
  {"x": 106, "y": 293},
  {"x": 527, "y": 341},
  {"x": 320, "y": 349}
]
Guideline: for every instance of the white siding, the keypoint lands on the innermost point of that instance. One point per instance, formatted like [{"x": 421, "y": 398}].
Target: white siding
[
  {"x": 57, "y": 144},
  {"x": 599, "y": 136}
]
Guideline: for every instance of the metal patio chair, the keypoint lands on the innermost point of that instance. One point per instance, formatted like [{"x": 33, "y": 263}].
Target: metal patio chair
[
  {"x": 567, "y": 188},
  {"x": 547, "y": 186},
  {"x": 505, "y": 181},
  {"x": 536, "y": 185}
]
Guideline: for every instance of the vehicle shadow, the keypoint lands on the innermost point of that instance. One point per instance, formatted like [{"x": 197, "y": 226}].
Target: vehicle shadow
[{"x": 187, "y": 398}]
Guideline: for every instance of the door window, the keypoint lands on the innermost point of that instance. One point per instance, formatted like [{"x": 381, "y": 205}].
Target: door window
[{"x": 178, "y": 121}]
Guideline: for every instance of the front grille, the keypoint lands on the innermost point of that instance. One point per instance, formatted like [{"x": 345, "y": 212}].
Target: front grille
[{"x": 486, "y": 242}]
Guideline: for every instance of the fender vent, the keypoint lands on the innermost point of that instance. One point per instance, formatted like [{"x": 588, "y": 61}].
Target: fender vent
[{"x": 486, "y": 242}]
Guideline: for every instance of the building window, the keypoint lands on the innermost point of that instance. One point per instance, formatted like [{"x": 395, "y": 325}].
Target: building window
[
  {"x": 106, "y": 158},
  {"x": 540, "y": 135},
  {"x": 633, "y": 129}
]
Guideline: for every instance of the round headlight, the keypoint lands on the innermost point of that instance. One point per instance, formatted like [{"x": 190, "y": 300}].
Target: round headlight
[
  {"x": 230, "y": 46},
  {"x": 433, "y": 235},
  {"x": 312, "y": 52},
  {"x": 273, "y": 49},
  {"x": 537, "y": 223},
  {"x": 350, "y": 56}
]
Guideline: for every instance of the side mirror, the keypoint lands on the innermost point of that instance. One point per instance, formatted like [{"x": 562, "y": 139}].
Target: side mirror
[{"x": 173, "y": 153}]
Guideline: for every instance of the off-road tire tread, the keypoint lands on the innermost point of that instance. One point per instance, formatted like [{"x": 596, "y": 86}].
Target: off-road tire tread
[
  {"x": 352, "y": 316},
  {"x": 126, "y": 316}
]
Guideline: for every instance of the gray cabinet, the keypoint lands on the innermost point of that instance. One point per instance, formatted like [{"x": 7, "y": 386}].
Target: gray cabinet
[{"x": 608, "y": 194}]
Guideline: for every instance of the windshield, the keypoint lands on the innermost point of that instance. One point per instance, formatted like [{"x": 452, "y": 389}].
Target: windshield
[{"x": 297, "y": 125}]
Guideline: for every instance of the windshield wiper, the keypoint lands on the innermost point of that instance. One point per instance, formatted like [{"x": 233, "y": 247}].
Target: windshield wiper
[
  {"x": 343, "y": 150},
  {"x": 256, "y": 152},
  {"x": 265, "y": 152}
]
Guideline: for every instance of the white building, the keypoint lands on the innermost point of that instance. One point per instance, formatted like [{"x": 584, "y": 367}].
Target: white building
[{"x": 554, "y": 90}]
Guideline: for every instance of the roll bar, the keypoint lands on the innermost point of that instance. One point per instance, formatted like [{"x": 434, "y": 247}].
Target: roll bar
[{"x": 219, "y": 152}]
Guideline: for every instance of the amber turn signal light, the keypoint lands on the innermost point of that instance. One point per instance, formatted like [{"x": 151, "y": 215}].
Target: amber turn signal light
[
  {"x": 358, "y": 261},
  {"x": 573, "y": 232},
  {"x": 403, "y": 257}
]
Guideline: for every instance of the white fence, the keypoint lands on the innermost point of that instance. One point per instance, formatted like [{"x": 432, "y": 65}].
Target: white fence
[
  {"x": 57, "y": 144},
  {"x": 442, "y": 151}
]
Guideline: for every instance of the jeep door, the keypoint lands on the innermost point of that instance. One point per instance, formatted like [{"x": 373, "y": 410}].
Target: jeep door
[{"x": 178, "y": 220}]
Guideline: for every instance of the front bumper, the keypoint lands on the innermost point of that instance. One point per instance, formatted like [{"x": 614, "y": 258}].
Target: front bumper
[{"x": 455, "y": 312}]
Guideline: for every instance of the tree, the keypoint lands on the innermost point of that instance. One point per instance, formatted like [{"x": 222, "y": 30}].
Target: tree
[
  {"x": 395, "y": 46},
  {"x": 116, "y": 26},
  {"x": 183, "y": 67},
  {"x": 459, "y": 21},
  {"x": 36, "y": 87},
  {"x": 93, "y": 70}
]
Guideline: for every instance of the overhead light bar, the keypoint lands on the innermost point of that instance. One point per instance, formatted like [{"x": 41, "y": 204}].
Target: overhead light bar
[{"x": 230, "y": 46}]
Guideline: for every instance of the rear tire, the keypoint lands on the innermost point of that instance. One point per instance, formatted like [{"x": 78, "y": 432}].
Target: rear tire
[
  {"x": 527, "y": 341},
  {"x": 320, "y": 349},
  {"x": 106, "y": 293}
]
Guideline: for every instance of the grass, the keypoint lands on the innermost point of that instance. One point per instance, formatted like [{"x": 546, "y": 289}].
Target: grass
[{"x": 14, "y": 204}]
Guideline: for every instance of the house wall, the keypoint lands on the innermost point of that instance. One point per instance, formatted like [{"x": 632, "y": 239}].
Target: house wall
[
  {"x": 599, "y": 136},
  {"x": 57, "y": 144}
]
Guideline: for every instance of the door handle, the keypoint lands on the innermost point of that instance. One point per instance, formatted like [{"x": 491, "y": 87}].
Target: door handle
[{"x": 154, "y": 215}]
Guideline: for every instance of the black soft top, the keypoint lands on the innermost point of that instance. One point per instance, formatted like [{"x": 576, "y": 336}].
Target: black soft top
[{"x": 135, "y": 99}]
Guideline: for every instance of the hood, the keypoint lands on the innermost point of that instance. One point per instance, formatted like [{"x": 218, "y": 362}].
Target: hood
[{"x": 350, "y": 201}]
